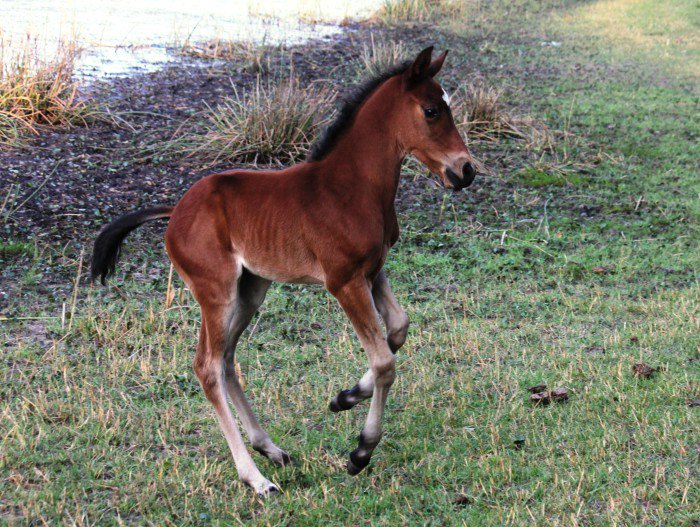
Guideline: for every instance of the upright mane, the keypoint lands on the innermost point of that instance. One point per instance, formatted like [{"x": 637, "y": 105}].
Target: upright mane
[{"x": 347, "y": 111}]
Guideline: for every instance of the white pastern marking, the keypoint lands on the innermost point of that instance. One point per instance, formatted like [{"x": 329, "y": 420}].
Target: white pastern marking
[{"x": 446, "y": 97}]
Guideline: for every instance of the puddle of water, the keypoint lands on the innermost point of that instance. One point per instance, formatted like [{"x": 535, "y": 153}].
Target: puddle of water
[
  {"x": 119, "y": 62},
  {"x": 125, "y": 36}
]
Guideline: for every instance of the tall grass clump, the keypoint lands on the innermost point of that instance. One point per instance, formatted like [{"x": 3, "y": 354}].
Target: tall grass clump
[
  {"x": 380, "y": 55},
  {"x": 37, "y": 91},
  {"x": 551, "y": 157},
  {"x": 480, "y": 113},
  {"x": 273, "y": 123},
  {"x": 393, "y": 12}
]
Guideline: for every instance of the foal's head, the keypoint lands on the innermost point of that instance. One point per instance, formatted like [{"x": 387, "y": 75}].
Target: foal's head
[{"x": 427, "y": 130}]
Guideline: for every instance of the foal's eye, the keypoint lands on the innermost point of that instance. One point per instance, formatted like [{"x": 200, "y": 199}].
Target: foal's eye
[{"x": 430, "y": 113}]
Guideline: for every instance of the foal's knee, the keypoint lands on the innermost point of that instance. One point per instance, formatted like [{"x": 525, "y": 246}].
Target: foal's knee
[
  {"x": 398, "y": 332},
  {"x": 384, "y": 371}
]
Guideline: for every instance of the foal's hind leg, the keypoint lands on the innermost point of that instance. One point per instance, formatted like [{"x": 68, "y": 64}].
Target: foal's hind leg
[
  {"x": 251, "y": 293},
  {"x": 396, "y": 323},
  {"x": 209, "y": 367}
]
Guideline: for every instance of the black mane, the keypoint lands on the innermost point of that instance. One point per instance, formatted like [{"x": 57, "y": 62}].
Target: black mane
[{"x": 346, "y": 113}]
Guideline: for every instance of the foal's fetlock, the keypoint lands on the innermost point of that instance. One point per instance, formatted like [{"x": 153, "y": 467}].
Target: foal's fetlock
[
  {"x": 273, "y": 453},
  {"x": 346, "y": 399},
  {"x": 359, "y": 458}
]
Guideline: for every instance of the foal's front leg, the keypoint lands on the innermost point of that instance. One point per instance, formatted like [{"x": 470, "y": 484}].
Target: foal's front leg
[
  {"x": 396, "y": 323},
  {"x": 355, "y": 298}
]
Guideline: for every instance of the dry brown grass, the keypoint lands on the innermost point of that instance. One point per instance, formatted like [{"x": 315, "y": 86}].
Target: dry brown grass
[
  {"x": 395, "y": 12},
  {"x": 480, "y": 113},
  {"x": 379, "y": 55},
  {"x": 35, "y": 91},
  {"x": 550, "y": 156},
  {"x": 252, "y": 56},
  {"x": 274, "y": 123}
]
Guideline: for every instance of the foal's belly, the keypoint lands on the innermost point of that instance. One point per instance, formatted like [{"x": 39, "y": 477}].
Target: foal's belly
[{"x": 300, "y": 273}]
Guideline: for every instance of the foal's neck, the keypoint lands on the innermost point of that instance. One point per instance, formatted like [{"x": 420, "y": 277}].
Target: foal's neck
[{"x": 369, "y": 155}]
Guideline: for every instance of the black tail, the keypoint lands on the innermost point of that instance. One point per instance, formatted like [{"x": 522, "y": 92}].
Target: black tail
[{"x": 108, "y": 244}]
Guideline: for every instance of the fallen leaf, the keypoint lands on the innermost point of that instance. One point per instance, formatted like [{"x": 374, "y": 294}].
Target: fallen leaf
[
  {"x": 642, "y": 370},
  {"x": 519, "y": 442}
]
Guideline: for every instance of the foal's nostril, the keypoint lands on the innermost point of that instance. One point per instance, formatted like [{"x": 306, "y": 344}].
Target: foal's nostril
[{"x": 468, "y": 171}]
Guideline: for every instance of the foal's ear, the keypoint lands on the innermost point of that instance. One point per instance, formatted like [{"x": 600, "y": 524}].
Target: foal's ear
[
  {"x": 419, "y": 69},
  {"x": 436, "y": 65}
]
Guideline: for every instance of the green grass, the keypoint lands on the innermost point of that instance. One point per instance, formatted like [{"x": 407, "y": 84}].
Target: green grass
[
  {"x": 541, "y": 176},
  {"x": 12, "y": 248},
  {"x": 525, "y": 280},
  {"x": 642, "y": 27}
]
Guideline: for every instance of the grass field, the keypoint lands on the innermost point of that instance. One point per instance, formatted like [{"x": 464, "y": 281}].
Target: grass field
[{"x": 566, "y": 267}]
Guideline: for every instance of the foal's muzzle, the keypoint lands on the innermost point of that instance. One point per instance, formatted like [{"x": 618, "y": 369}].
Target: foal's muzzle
[{"x": 463, "y": 181}]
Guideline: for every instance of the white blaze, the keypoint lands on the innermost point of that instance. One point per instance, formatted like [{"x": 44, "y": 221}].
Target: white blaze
[{"x": 446, "y": 97}]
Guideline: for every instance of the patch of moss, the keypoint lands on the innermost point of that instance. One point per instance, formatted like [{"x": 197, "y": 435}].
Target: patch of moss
[
  {"x": 16, "y": 249},
  {"x": 539, "y": 177}
]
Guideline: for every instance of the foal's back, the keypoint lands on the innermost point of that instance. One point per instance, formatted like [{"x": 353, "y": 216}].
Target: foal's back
[{"x": 271, "y": 222}]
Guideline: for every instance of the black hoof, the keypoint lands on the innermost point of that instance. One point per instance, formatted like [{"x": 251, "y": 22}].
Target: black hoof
[
  {"x": 356, "y": 463},
  {"x": 286, "y": 459},
  {"x": 341, "y": 401},
  {"x": 269, "y": 491},
  {"x": 335, "y": 407}
]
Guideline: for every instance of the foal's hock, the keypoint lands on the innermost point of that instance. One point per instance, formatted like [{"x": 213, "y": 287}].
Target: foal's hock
[{"x": 328, "y": 220}]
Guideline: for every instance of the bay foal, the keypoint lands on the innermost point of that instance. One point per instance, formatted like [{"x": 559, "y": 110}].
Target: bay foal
[{"x": 327, "y": 220}]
